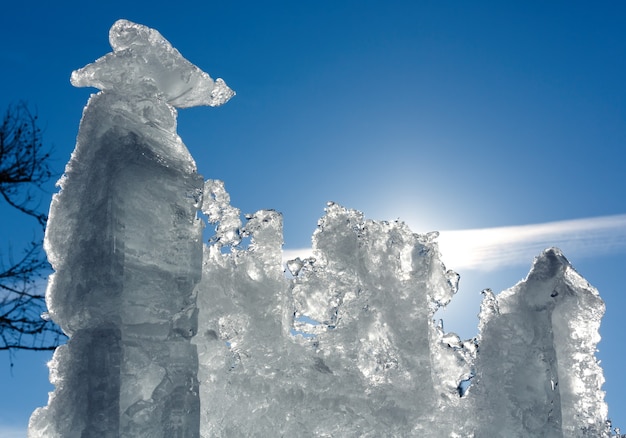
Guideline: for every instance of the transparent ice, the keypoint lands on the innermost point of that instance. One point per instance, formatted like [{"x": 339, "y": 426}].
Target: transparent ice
[
  {"x": 126, "y": 245},
  {"x": 170, "y": 337}
]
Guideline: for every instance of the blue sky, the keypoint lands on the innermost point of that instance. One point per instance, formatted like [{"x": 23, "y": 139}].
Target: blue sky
[{"x": 448, "y": 115}]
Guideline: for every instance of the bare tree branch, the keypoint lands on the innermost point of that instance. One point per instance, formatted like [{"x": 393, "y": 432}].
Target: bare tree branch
[{"x": 24, "y": 170}]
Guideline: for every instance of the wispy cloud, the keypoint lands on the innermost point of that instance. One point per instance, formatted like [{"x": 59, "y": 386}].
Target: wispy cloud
[
  {"x": 12, "y": 432},
  {"x": 492, "y": 248},
  {"x": 291, "y": 254}
]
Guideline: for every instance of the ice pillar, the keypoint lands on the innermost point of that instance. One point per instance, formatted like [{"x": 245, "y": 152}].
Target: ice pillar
[
  {"x": 125, "y": 242},
  {"x": 537, "y": 374}
]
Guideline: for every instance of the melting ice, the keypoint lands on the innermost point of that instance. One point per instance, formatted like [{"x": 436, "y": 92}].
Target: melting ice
[{"x": 170, "y": 337}]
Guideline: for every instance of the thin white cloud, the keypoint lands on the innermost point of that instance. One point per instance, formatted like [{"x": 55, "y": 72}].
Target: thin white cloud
[
  {"x": 492, "y": 248},
  {"x": 12, "y": 432},
  {"x": 292, "y": 254}
]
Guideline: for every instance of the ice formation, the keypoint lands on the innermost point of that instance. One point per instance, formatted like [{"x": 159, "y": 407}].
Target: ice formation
[
  {"x": 170, "y": 337},
  {"x": 348, "y": 346},
  {"x": 536, "y": 372},
  {"x": 125, "y": 242}
]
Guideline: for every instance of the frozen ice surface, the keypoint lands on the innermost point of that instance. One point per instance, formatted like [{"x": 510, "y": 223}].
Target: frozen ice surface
[
  {"x": 173, "y": 338},
  {"x": 126, "y": 245}
]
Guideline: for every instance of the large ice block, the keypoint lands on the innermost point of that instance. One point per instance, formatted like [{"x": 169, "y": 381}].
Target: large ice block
[
  {"x": 537, "y": 374},
  {"x": 345, "y": 348},
  {"x": 125, "y": 243},
  {"x": 348, "y": 345}
]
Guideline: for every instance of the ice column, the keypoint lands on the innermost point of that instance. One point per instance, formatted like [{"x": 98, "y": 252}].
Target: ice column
[
  {"x": 537, "y": 374},
  {"x": 125, "y": 242}
]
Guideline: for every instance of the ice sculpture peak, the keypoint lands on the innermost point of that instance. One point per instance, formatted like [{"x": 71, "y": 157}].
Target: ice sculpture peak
[{"x": 144, "y": 64}]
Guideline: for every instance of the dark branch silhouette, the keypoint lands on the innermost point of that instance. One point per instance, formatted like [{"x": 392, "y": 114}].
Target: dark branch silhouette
[{"x": 24, "y": 170}]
